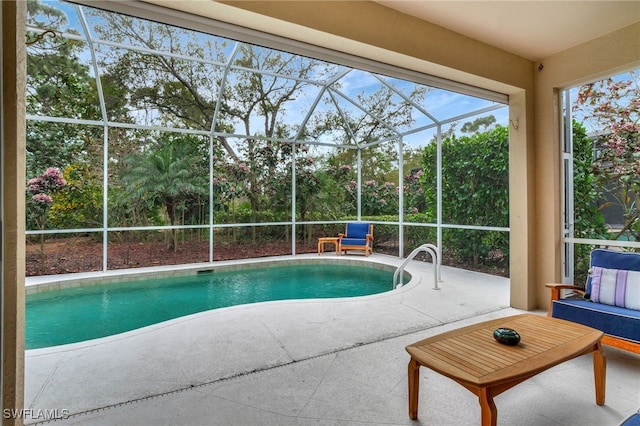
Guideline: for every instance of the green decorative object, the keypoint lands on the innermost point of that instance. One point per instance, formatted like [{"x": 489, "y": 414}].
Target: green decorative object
[{"x": 506, "y": 336}]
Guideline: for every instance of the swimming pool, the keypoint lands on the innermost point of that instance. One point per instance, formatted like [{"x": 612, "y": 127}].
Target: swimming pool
[{"x": 77, "y": 314}]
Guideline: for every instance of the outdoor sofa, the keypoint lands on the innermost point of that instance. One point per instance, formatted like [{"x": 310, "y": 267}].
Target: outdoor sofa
[{"x": 610, "y": 301}]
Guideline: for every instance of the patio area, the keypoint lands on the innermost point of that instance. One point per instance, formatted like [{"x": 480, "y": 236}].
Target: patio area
[{"x": 332, "y": 361}]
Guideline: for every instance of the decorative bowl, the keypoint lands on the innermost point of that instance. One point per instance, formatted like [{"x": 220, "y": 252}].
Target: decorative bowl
[{"x": 506, "y": 336}]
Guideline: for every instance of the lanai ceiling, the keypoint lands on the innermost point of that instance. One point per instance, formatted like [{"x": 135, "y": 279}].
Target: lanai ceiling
[{"x": 531, "y": 29}]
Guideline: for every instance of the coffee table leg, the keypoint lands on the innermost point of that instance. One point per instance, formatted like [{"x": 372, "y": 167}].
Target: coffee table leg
[
  {"x": 414, "y": 388},
  {"x": 599, "y": 373},
  {"x": 488, "y": 409}
]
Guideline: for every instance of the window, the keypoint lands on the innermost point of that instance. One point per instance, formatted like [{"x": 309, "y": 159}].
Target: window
[{"x": 602, "y": 179}]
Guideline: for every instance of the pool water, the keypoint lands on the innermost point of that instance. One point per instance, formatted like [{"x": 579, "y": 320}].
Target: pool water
[{"x": 76, "y": 314}]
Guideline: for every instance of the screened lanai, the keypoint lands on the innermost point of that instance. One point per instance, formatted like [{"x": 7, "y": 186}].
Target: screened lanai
[{"x": 150, "y": 144}]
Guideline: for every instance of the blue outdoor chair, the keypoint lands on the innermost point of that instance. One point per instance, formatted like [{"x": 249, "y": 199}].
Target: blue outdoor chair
[{"x": 358, "y": 236}]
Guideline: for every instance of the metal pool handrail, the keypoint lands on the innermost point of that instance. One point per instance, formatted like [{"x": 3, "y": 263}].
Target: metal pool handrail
[{"x": 431, "y": 250}]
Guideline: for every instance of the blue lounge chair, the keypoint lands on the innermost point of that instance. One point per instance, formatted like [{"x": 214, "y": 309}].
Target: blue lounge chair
[{"x": 358, "y": 236}]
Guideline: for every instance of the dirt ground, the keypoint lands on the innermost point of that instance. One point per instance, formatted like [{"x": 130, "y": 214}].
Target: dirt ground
[{"x": 85, "y": 255}]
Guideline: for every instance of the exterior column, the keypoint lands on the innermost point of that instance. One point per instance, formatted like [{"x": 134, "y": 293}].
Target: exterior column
[
  {"x": 522, "y": 215},
  {"x": 12, "y": 180}
]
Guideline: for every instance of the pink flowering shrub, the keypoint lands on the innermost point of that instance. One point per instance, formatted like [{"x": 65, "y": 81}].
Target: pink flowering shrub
[
  {"x": 229, "y": 181},
  {"x": 414, "y": 199},
  {"x": 42, "y": 198},
  {"x": 41, "y": 189},
  {"x": 379, "y": 198},
  {"x": 50, "y": 181}
]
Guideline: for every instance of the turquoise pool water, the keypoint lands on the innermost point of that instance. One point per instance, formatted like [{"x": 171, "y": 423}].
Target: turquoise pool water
[{"x": 73, "y": 315}]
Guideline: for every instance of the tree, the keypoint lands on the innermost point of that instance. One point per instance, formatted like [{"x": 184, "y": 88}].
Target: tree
[
  {"x": 79, "y": 203},
  {"x": 170, "y": 176},
  {"x": 264, "y": 96},
  {"x": 479, "y": 124},
  {"x": 613, "y": 107},
  {"x": 228, "y": 183},
  {"x": 181, "y": 91},
  {"x": 385, "y": 112},
  {"x": 184, "y": 93},
  {"x": 58, "y": 85},
  {"x": 475, "y": 182},
  {"x": 588, "y": 219}
]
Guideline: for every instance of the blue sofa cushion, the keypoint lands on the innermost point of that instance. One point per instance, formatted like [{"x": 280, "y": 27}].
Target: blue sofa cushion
[
  {"x": 632, "y": 420},
  {"x": 612, "y": 320},
  {"x": 354, "y": 242},
  {"x": 357, "y": 231}
]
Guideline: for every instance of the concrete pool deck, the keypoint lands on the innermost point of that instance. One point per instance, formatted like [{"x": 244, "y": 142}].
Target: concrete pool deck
[{"x": 331, "y": 361}]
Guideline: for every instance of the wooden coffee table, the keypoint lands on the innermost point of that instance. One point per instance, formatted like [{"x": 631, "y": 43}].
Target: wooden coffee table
[{"x": 473, "y": 358}]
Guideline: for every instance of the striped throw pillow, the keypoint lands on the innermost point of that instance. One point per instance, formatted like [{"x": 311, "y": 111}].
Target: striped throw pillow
[{"x": 616, "y": 287}]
